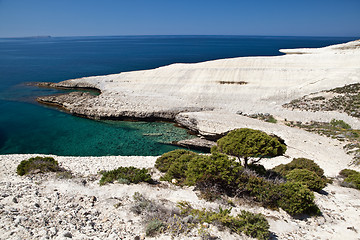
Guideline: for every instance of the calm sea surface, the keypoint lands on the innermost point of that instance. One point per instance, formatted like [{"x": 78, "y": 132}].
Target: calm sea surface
[{"x": 27, "y": 127}]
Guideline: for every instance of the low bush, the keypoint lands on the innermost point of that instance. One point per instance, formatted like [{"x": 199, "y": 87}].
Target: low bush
[
  {"x": 271, "y": 119},
  {"x": 38, "y": 165},
  {"x": 262, "y": 190},
  {"x": 164, "y": 162},
  {"x": 308, "y": 178},
  {"x": 143, "y": 205},
  {"x": 214, "y": 175},
  {"x": 177, "y": 169},
  {"x": 339, "y": 124},
  {"x": 292, "y": 197},
  {"x": 159, "y": 217},
  {"x": 299, "y": 163},
  {"x": 216, "y": 168},
  {"x": 354, "y": 180},
  {"x": 125, "y": 175},
  {"x": 297, "y": 199},
  {"x": 347, "y": 172},
  {"x": 352, "y": 177},
  {"x": 154, "y": 227},
  {"x": 253, "y": 225}
]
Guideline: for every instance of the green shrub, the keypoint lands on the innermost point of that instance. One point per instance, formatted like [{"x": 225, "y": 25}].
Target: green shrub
[
  {"x": 132, "y": 174},
  {"x": 297, "y": 199},
  {"x": 178, "y": 168},
  {"x": 308, "y": 178},
  {"x": 271, "y": 119},
  {"x": 38, "y": 165},
  {"x": 214, "y": 149},
  {"x": 299, "y": 163},
  {"x": 248, "y": 143},
  {"x": 354, "y": 180},
  {"x": 164, "y": 162},
  {"x": 262, "y": 190},
  {"x": 218, "y": 174},
  {"x": 216, "y": 168},
  {"x": 340, "y": 124},
  {"x": 253, "y": 225},
  {"x": 352, "y": 177},
  {"x": 347, "y": 172}
]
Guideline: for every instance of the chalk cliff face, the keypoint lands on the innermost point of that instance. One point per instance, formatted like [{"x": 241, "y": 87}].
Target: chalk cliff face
[{"x": 246, "y": 84}]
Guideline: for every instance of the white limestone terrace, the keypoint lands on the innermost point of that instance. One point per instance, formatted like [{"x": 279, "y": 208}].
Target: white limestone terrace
[{"x": 244, "y": 84}]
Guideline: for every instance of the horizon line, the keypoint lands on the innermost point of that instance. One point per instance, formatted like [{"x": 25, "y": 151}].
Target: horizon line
[{"x": 175, "y": 35}]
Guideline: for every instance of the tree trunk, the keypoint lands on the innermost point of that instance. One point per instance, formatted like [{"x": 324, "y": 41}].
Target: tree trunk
[{"x": 246, "y": 162}]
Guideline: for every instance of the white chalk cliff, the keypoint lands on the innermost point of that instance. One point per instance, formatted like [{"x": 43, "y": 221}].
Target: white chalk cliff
[{"x": 245, "y": 84}]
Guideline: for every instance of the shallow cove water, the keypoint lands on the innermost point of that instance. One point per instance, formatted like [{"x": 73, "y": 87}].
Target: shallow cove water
[{"x": 27, "y": 127}]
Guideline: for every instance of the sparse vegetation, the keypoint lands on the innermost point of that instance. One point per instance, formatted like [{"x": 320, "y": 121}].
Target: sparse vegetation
[
  {"x": 160, "y": 217},
  {"x": 125, "y": 175},
  {"x": 337, "y": 129},
  {"x": 153, "y": 227},
  {"x": 38, "y": 165},
  {"x": 248, "y": 143},
  {"x": 342, "y": 99},
  {"x": 176, "y": 220},
  {"x": 266, "y": 117},
  {"x": 253, "y": 225}
]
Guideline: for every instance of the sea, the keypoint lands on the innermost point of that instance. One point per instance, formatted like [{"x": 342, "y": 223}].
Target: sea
[{"x": 28, "y": 127}]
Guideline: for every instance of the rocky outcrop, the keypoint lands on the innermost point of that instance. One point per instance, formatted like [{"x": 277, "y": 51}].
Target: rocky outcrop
[
  {"x": 67, "y": 101},
  {"x": 196, "y": 143}
]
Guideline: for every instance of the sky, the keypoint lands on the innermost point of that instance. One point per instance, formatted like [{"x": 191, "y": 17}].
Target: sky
[{"x": 23, "y": 18}]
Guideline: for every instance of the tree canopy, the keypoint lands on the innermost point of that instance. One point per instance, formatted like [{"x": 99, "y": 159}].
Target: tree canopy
[{"x": 248, "y": 143}]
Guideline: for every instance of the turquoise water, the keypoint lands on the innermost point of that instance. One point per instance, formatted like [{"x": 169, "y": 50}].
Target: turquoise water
[
  {"x": 52, "y": 132},
  {"x": 27, "y": 127}
]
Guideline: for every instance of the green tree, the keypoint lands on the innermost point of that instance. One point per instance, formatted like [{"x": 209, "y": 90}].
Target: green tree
[{"x": 245, "y": 143}]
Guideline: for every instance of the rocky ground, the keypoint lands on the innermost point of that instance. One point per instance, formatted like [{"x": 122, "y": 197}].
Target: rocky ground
[{"x": 49, "y": 207}]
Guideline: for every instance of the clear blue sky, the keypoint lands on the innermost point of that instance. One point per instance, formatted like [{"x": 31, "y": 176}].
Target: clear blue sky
[{"x": 20, "y": 18}]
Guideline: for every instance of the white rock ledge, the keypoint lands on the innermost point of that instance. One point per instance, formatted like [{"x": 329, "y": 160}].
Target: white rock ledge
[{"x": 219, "y": 85}]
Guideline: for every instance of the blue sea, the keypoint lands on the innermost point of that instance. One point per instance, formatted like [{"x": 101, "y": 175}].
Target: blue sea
[{"x": 28, "y": 127}]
